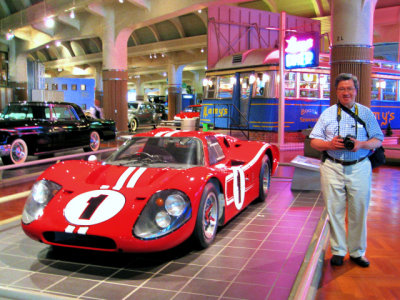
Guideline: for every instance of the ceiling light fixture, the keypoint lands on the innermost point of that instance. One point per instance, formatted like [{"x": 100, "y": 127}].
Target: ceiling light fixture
[
  {"x": 49, "y": 22},
  {"x": 72, "y": 14},
  {"x": 151, "y": 57},
  {"x": 155, "y": 55},
  {"x": 10, "y": 35},
  {"x": 202, "y": 50},
  {"x": 121, "y": 1},
  {"x": 58, "y": 43}
]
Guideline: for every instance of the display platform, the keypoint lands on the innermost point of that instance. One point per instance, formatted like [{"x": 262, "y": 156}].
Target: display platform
[
  {"x": 306, "y": 176},
  {"x": 262, "y": 250}
]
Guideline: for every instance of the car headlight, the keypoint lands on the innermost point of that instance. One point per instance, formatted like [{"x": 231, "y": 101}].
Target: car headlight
[
  {"x": 42, "y": 192},
  {"x": 165, "y": 212}
]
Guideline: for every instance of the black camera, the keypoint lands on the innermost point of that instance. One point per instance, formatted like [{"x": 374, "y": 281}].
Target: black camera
[{"x": 348, "y": 143}]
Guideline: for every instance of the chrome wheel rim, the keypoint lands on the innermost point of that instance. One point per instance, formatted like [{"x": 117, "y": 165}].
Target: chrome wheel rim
[
  {"x": 94, "y": 141},
  {"x": 18, "y": 152},
  {"x": 266, "y": 179},
  {"x": 210, "y": 214}
]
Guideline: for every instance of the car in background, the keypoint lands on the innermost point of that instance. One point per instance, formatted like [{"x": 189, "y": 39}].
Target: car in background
[
  {"x": 157, "y": 190},
  {"x": 190, "y": 112},
  {"x": 162, "y": 111},
  {"x": 38, "y": 128},
  {"x": 142, "y": 114}
]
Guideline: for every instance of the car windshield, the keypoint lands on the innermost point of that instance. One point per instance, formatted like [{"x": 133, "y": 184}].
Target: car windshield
[
  {"x": 159, "y": 152},
  {"x": 132, "y": 105}
]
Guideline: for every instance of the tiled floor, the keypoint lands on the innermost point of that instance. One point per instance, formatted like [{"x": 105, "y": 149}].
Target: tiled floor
[{"x": 255, "y": 256}]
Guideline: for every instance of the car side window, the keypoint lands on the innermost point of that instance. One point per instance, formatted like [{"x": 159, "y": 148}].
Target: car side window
[
  {"x": 64, "y": 113},
  {"x": 215, "y": 152}
]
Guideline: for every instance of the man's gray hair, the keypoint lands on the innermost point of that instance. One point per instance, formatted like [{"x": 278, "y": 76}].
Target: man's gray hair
[{"x": 346, "y": 76}]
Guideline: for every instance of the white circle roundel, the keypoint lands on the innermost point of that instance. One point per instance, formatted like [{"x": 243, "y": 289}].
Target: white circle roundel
[{"x": 94, "y": 207}]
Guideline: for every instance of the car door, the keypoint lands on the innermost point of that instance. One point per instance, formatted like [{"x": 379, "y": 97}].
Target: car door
[
  {"x": 66, "y": 121},
  {"x": 145, "y": 113},
  {"x": 237, "y": 181}
]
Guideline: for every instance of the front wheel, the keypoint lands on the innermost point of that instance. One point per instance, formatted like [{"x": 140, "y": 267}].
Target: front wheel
[
  {"x": 207, "y": 217},
  {"x": 18, "y": 153},
  {"x": 133, "y": 124},
  {"x": 94, "y": 142},
  {"x": 264, "y": 178}
]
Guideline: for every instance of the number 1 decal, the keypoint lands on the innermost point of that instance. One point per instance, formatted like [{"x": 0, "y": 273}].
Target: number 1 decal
[{"x": 94, "y": 207}]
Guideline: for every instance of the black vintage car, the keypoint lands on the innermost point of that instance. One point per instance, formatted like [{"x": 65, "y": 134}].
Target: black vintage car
[{"x": 37, "y": 128}]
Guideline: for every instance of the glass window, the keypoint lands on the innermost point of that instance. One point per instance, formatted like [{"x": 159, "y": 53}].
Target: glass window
[
  {"x": 46, "y": 86},
  {"x": 308, "y": 85},
  {"x": 210, "y": 87},
  {"x": 290, "y": 84},
  {"x": 225, "y": 87},
  {"x": 325, "y": 83},
  {"x": 73, "y": 87},
  {"x": 389, "y": 89},
  {"x": 83, "y": 87},
  {"x": 64, "y": 87},
  {"x": 375, "y": 89},
  {"x": 245, "y": 85},
  {"x": 54, "y": 86},
  {"x": 64, "y": 113},
  {"x": 215, "y": 153}
]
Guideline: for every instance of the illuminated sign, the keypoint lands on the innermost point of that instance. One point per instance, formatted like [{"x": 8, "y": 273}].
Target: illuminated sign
[{"x": 302, "y": 50}]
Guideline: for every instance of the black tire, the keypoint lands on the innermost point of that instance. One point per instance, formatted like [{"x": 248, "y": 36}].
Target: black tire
[
  {"x": 94, "y": 142},
  {"x": 264, "y": 178},
  {"x": 18, "y": 153},
  {"x": 133, "y": 124},
  {"x": 207, "y": 217}
]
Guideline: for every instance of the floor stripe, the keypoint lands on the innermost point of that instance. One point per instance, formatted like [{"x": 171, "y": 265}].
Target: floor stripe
[
  {"x": 14, "y": 196},
  {"x": 6, "y": 221}
]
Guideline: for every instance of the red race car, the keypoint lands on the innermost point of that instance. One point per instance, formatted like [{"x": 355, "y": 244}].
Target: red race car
[{"x": 153, "y": 193}]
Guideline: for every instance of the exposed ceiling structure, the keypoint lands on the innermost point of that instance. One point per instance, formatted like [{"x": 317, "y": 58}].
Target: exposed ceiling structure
[{"x": 160, "y": 32}]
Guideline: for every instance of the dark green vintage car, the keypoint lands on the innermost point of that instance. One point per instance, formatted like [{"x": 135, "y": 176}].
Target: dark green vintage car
[{"x": 37, "y": 128}]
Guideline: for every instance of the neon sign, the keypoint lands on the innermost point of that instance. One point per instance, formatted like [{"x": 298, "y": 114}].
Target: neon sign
[{"x": 302, "y": 50}]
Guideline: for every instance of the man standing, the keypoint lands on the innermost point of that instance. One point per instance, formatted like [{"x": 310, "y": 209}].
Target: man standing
[{"x": 346, "y": 171}]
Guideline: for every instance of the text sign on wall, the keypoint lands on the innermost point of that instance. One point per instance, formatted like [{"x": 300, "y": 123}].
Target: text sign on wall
[{"x": 301, "y": 50}]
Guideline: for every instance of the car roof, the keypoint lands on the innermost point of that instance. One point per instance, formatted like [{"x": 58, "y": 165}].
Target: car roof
[
  {"x": 166, "y": 132},
  {"x": 41, "y": 103}
]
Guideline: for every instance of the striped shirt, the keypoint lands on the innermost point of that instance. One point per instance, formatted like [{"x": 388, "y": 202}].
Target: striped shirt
[{"x": 328, "y": 127}]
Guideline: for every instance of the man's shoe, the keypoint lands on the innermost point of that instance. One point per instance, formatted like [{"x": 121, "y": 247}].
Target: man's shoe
[
  {"x": 337, "y": 260},
  {"x": 362, "y": 261}
]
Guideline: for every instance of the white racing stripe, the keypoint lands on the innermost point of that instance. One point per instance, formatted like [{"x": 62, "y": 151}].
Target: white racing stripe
[
  {"x": 135, "y": 177},
  {"x": 121, "y": 181}
]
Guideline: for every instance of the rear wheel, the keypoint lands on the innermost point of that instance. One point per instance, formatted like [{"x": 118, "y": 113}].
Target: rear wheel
[
  {"x": 265, "y": 178},
  {"x": 94, "y": 142},
  {"x": 18, "y": 153},
  {"x": 207, "y": 217}
]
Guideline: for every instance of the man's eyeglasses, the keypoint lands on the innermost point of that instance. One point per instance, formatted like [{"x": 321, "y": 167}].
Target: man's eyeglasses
[{"x": 349, "y": 89}]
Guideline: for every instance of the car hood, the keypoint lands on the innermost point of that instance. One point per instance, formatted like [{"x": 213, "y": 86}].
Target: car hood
[{"x": 82, "y": 176}]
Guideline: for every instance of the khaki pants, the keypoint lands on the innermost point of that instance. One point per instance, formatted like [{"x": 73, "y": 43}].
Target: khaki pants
[{"x": 347, "y": 186}]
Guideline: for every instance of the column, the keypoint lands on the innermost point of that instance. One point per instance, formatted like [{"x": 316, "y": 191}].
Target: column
[
  {"x": 99, "y": 82},
  {"x": 18, "y": 69},
  {"x": 115, "y": 72},
  {"x": 174, "y": 90},
  {"x": 139, "y": 89},
  {"x": 352, "y": 44}
]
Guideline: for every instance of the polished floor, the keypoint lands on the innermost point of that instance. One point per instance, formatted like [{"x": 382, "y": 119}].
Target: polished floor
[{"x": 256, "y": 256}]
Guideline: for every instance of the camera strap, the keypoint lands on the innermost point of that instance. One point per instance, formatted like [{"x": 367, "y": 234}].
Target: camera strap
[
  {"x": 340, "y": 107},
  {"x": 352, "y": 114}
]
